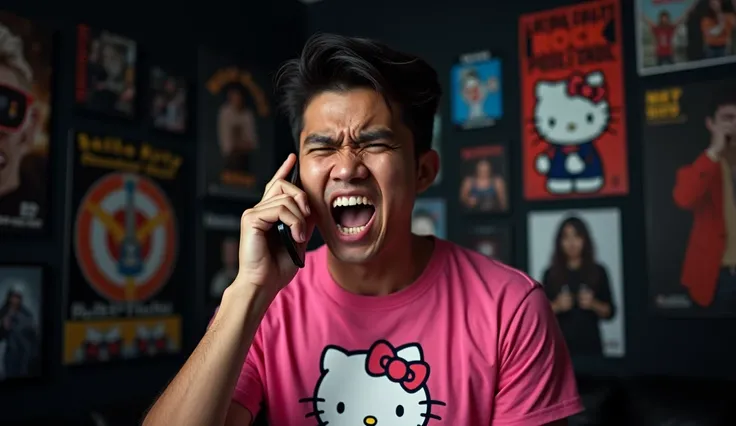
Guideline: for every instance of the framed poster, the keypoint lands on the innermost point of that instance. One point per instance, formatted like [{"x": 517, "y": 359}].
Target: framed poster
[
  {"x": 169, "y": 103},
  {"x": 576, "y": 255},
  {"x": 120, "y": 303},
  {"x": 484, "y": 184},
  {"x": 477, "y": 99},
  {"x": 429, "y": 217},
  {"x": 235, "y": 128},
  {"x": 684, "y": 34},
  {"x": 21, "y": 321},
  {"x": 25, "y": 89},
  {"x": 572, "y": 93},
  {"x": 491, "y": 240},
  {"x": 690, "y": 183},
  {"x": 437, "y": 144},
  {"x": 220, "y": 254},
  {"x": 106, "y": 72}
]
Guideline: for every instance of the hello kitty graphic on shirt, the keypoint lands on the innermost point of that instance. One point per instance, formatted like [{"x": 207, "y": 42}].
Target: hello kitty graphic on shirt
[
  {"x": 570, "y": 115},
  {"x": 383, "y": 386}
]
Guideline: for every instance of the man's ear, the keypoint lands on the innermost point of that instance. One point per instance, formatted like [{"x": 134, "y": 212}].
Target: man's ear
[
  {"x": 709, "y": 124},
  {"x": 427, "y": 168}
]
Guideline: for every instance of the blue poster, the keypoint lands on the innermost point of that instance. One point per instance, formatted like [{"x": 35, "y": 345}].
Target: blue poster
[
  {"x": 476, "y": 91},
  {"x": 428, "y": 217}
]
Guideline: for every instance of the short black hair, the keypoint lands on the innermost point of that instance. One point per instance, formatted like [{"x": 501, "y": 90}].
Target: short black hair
[
  {"x": 721, "y": 96},
  {"x": 331, "y": 62}
]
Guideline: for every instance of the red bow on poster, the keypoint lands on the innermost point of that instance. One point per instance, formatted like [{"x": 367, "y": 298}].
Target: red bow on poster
[
  {"x": 577, "y": 86},
  {"x": 383, "y": 361}
]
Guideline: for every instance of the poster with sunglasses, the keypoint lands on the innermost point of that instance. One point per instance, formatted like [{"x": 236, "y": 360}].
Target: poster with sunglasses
[
  {"x": 121, "y": 301},
  {"x": 106, "y": 72},
  {"x": 25, "y": 111},
  {"x": 483, "y": 188},
  {"x": 476, "y": 91},
  {"x": 220, "y": 254},
  {"x": 493, "y": 241},
  {"x": 576, "y": 255},
  {"x": 235, "y": 127},
  {"x": 169, "y": 104}
]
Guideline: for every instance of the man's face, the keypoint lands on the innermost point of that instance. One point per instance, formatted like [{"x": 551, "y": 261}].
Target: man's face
[
  {"x": 14, "y": 144},
  {"x": 472, "y": 90},
  {"x": 355, "y": 151},
  {"x": 15, "y": 301},
  {"x": 725, "y": 116}
]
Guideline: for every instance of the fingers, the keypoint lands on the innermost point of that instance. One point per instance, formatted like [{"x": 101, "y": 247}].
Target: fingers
[
  {"x": 284, "y": 208},
  {"x": 282, "y": 187},
  {"x": 283, "y": 171}
]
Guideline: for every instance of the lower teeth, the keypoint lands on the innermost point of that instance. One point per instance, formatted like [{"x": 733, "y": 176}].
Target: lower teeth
[{"x": 350, "y": 231}]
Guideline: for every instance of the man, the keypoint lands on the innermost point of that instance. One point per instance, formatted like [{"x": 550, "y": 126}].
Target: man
[
  {"x": 663, "y": 32},
  {"x": 381, "y": 327},
  {"x": 236, "y": 131},
  {"x": 707, "y": 188},
  {"x": 18, "y": 331}
]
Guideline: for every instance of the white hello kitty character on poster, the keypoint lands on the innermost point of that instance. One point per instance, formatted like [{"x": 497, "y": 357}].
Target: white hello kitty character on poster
[
  {"x": 570, "y": 116},
  {"x": 384, "y": 386}
]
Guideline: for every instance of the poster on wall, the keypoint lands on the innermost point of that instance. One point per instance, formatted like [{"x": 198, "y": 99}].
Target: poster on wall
[
  {"x": 493, "y": 241},
  {"x": 690, "y": 181},
  {"x": 576, "y": 255},
  {"x": 572, "y": 90},
  {"x": 124, "y": 247},
  {"x": 437, "y": 144},
  {"x": 429, "y": 217},
  {"x": 476, "y": 91},
  {"x": 220, "y": 254},
  {"x": 168, "y": 97},
  {"x": 484, "y": 184},
  {"x": 21, "y": 320},
  {"x": 235, "y": 128},
  {"x": 25, "y": 111},
  {"x": 106, "y": 72},
  {"x": 679, "y": 35}
]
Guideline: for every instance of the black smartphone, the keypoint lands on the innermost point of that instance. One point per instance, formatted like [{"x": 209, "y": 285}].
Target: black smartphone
[{"x": 284, "y": 230}]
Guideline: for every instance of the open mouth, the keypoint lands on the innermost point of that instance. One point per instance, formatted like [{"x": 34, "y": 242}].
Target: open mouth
[{"x": 352, "y": 213}]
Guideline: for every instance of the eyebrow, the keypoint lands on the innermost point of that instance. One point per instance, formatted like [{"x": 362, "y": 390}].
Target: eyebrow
[{"x": 364, "y": 137}]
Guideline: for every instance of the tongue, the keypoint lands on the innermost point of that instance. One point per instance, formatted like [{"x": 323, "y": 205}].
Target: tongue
[{"x": 351, "y": 217}]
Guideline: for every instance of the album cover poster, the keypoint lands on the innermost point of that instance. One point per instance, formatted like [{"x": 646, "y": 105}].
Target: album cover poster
[
  {"x": 690, "y": 183},
  {"x": 477, "y": 99},
  {"x": 121, "y": 300},
  {"x": 437, "y": 144},
  {"x": 106, "y": 72},
  {"x": 429, "y": 217},
  {"x": 572, "y": 94},
  {"x": 168, "y": 101},
  {"x": 220, "y": 254},
  {"x": 21, "y": 319},
  {"x": 576, "y": 255},
  {"x": 235, "y": 127},
  {"x": 491, "y": 240},
  {"x": 484, "y": 184},
  {"x": 25, "y": 111},
  {"x": 677, "y": 35}
]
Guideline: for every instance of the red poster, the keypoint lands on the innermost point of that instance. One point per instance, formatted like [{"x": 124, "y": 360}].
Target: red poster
[{"x": 574, "y": 130}]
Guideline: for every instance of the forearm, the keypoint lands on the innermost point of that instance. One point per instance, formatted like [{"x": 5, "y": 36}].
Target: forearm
[{"x": 201, "y": 392}]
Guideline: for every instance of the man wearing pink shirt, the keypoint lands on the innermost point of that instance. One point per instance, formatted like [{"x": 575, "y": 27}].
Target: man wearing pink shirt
[{"x": 381, "y": 327}]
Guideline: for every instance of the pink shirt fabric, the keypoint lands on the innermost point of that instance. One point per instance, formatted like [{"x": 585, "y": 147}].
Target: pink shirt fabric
[{"x": 471, "y": 342}]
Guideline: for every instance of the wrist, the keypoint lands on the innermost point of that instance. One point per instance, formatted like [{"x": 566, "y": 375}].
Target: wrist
[
  {"x": 713, "y": 154},
  {"x": 247, "y": 302}
]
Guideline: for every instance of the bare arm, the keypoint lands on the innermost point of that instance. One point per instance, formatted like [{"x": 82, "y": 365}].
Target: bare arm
[
  {"x": 465, "y": 190},
  {"x": 201, "y": 393},
  {"x": 501, "y": 191}
]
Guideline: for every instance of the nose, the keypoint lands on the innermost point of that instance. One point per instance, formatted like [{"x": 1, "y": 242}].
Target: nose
[
  {"x": 349, "y": 167},
  {"x": 370, "y": 421},
  {"x": 571, "y": 127}
]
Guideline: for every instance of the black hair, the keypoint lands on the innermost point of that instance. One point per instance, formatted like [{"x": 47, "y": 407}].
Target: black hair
[
  {"x": 722, "y": 96},
  {"x": 588, "y": 268},
  {"x": 331, "y": 62}
]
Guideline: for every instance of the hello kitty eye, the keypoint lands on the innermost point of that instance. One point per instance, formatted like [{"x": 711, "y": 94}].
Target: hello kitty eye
[
  {"x": 340, "y": 407},
  {"x": 399, "y": 410},
  {"x": 551, "y": 122},
  {"x": 590, "y": 118}
]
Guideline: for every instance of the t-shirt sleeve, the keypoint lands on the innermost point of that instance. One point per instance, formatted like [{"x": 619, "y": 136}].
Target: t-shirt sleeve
[
  {"x": 551, "y": 291},
  {"x": 249, "y": 389},
  {"x": 536, "y": 382}
]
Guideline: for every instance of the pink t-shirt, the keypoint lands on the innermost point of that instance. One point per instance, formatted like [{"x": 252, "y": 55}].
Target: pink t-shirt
[{"x": 472, "y": 342}]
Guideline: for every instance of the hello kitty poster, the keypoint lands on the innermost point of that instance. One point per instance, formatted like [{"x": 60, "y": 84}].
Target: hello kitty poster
[{"x": 574, "y": 130}]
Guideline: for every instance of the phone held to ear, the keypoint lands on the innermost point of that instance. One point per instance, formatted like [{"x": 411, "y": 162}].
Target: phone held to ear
[{"x": 284, "y": 230}]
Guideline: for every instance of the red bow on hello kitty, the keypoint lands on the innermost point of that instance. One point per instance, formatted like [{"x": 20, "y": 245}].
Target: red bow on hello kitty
[
  {"x": 577, "y": 86},
  {"x": 383, "y": 361}
]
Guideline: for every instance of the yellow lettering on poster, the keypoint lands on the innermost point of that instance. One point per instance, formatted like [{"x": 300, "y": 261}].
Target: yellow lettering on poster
[
  {"x": 235, "y": 75},
  {"x": 663, "y": 104}
]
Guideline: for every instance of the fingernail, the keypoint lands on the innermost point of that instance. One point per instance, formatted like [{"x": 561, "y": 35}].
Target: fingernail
[
  {"x": 306, "y": 208},
  {"x": 302, "y": 237}
]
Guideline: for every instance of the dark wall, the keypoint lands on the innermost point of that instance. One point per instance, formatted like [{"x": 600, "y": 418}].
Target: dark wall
[
  {"x": 438, "y": 33},
  {"x": 261, "y": 33}
]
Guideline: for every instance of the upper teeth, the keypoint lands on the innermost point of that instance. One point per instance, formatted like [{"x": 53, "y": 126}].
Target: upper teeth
[{"x": 351, "y": 201}]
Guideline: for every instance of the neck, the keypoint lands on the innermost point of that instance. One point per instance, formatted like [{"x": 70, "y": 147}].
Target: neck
[
  {"x": 9, "y": 185},
  {"x": 574, "y": 263},
  {"x": 394, "y": 269}
]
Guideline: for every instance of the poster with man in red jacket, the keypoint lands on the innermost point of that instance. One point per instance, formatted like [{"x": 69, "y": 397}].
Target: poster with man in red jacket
[{"x": 690, "y": 160}]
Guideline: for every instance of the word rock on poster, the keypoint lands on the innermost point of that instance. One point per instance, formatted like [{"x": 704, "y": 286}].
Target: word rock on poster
[
  {"x": 235, "y": 128},
  {"x": 121, "y": 302},
  {"x": 429, "y": 217},
  {"x": 676, "y": 35},
  {"x": 484, "y": 183},
  {"x": 106, "y": 72},
  {"x": 476, "y": 91},
  {"x": 25, "y": 111},
  {"x": 576, "y": 256},
  {"x": 221, "y": 242},
  {"x": 572, "y": 88},
  {"x": 490, "y": 240},
  {"x": 690, "y": 181}
]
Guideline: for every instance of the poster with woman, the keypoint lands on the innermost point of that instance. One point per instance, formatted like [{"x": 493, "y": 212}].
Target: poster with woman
[
  {"x": 106, "y": 72},
  {"x": 25, "y": 111},
  {"x": 690, "y": 183},
  {"x": 235, "y": 128},
  {"x": 476, "y": 91},
  {"x": 678, "y": 35},
  {"x": 490, "y": 240},
  {"x": 576, "y": 255},
  {"x": 168, "y": 97},
  {"x": 483, "y": 188},
  {"x": 429, "y": 217}
]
